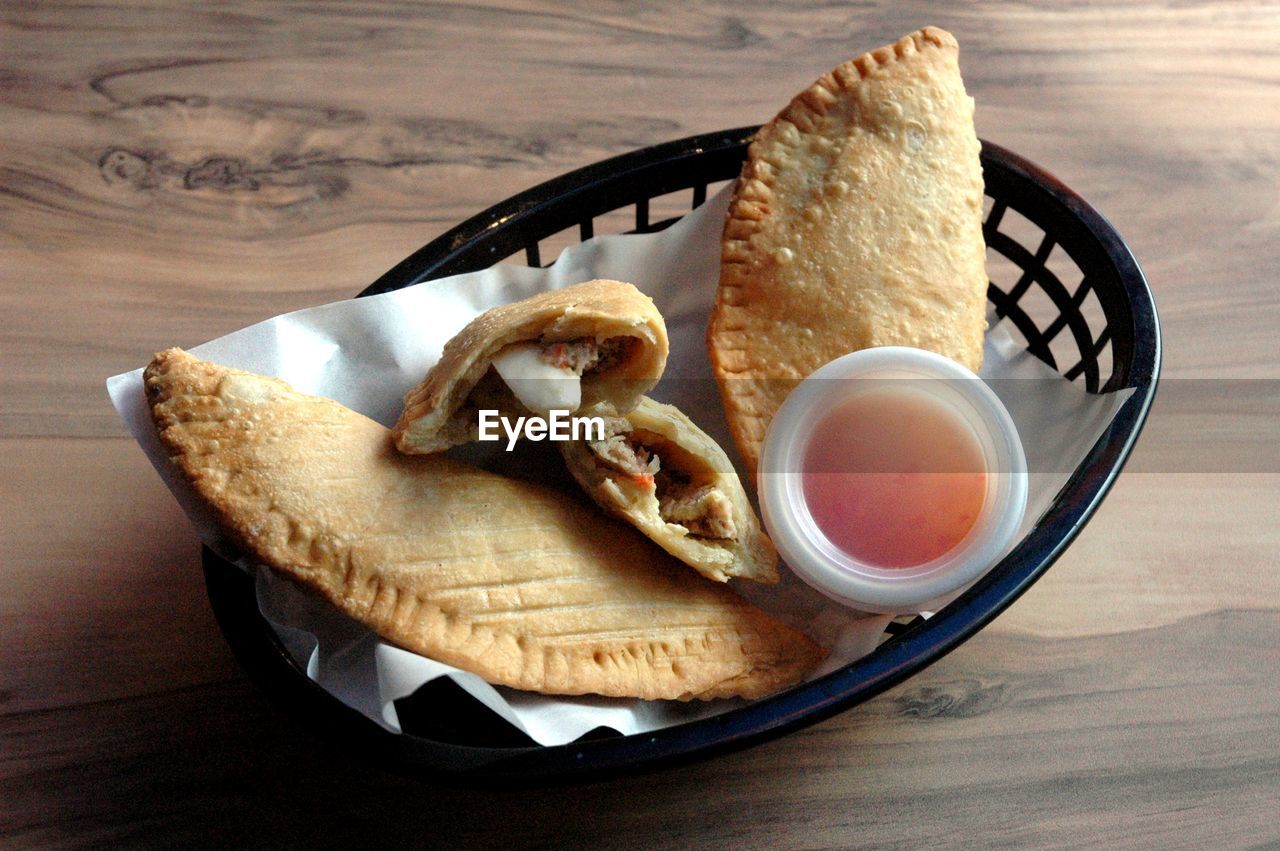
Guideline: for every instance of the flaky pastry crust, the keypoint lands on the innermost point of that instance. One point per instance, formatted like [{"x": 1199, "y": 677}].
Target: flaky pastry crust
[
  {"x": 525, "y": 586},
  {"x": 856, "y": 222},
  {"x": 436, "y": 414}
]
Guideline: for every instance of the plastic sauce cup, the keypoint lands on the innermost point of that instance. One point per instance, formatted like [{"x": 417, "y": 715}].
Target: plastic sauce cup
[{"x": 956, "y": 395}]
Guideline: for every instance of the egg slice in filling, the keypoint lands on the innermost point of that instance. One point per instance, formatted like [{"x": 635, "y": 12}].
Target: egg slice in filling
[
  {"x": 540, "y": 385},
  {"x": 547, "y": 377}
]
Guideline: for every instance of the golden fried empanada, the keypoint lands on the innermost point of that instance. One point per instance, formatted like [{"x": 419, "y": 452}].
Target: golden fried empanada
[
  {"x": 525, "y": 586},
  {"x": 856, "y": 222},
  {"x": 603, "y": 340},
  {"x": 662, "y": 474}
]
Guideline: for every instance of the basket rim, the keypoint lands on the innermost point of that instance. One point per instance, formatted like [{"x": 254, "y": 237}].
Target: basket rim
[{"x": 262, "y": 653}]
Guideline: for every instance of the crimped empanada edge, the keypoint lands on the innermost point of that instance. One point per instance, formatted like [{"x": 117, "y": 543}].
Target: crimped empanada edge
[{"x": 751, "y": 206}]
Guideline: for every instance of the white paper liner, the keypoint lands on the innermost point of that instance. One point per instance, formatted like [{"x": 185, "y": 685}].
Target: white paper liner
[{"x": 366, "y": 353}]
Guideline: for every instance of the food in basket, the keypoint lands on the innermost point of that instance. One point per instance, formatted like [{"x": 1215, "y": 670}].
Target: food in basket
[
  {"x": 856, "y": 222},
  {"x": 504, "y": 578},
  {"x": 662, "y": 474},
  {"x": 593, "y": 344}
]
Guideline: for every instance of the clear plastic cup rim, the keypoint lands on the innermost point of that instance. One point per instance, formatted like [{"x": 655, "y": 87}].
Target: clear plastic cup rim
[{"x": 837, "y": 574}]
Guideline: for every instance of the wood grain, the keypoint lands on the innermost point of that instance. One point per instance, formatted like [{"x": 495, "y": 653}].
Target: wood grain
[{"x": 170, "y": 172}]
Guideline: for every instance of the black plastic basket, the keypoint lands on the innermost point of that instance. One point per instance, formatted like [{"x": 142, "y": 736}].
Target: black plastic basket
[{"x": 1070, "y": 286}]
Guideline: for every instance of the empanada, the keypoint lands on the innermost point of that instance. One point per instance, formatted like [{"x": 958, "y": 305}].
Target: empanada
[
  {"x": 598, "y": 343},
  {"x": 662, "y": 474},
  {"x": 524, "y": 586},
  {"x": 856, "y": 222}
]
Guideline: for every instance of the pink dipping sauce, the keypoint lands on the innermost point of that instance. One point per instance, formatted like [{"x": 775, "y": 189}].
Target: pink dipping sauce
[{"x": 894, "y": 477}]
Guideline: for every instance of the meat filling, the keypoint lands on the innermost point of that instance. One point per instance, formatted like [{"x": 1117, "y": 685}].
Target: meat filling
[
  {"x": 620, "y": 451},
  {"x": 586, "y": 354},
  {"x": 703, "y": 509}
]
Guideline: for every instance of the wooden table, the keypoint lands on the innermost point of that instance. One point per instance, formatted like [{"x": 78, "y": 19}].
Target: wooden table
[{"x": 169, "y": 174}]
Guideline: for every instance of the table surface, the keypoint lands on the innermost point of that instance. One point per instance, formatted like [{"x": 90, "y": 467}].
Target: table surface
[{"x": 169, "y": 174}]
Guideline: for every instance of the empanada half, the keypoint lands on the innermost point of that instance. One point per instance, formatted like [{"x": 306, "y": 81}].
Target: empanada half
[
  {"x": 605, "y": 336},
  {"x": 525, "y": 586},
  {"x": 662, "y": 474},
  {"x": 856, "y": 222}
]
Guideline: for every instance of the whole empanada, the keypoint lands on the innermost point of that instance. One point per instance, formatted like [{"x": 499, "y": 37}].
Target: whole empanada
[
  {"x": 525, "y": 586},
  {"x": 856, "y": 222},
  {"x": 608, "y": 332},
  {"x": 662, "y": 474}
]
